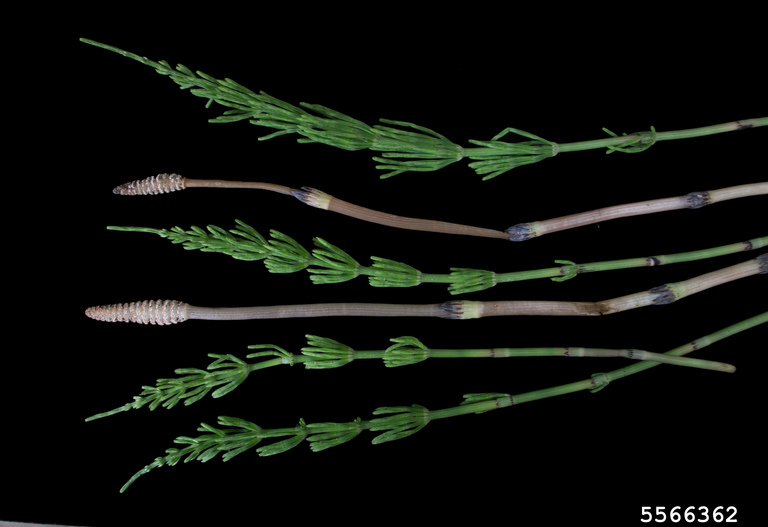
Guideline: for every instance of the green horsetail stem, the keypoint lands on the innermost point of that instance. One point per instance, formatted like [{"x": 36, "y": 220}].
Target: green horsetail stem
[
  {"x": 238, "y": 435},
  {"x": 328, "y": 264},
  {"x": 227, "y": 372},
  {"x": 404, "y": 147}
]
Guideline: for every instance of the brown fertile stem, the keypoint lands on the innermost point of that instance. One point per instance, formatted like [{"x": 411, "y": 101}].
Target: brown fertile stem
[
  {"x": 693, "y": 200},
  {"x": 171, "y": 311},
  {"x": 165, "y": 183},
  {"x": 315, "y": 310},
  {"x": 321, "y": 200},
  {"x": 220, "y": 183}
]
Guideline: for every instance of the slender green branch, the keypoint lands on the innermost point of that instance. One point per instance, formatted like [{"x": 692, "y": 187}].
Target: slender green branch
[
  {"x": 422, "y": 148},
  {"x": 224, "y": 374},
  {"x": 471, "y": 280},
  {"x": 238, "y": 435},
  {"x": 227, "y": 372},
  {"x": 404, "y": 147},
  {"x": 328, "y": 264}
]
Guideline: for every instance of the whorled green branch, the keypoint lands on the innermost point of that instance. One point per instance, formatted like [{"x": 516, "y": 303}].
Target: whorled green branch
[
  {"x": 236, "y": 435},
  {"x": 222, "y": 376},
  {"x": 328, "y": 264},
  {"x": 404, "y": 147},
  {"x": 227, "y": 372}
]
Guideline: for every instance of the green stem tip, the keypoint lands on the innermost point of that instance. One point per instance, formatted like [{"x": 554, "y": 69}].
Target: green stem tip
[{"x": 403, "y": 146}]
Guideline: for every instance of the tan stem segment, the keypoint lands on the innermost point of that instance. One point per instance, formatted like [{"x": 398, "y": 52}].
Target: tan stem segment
[
  {"x": 693, "y": 200},
  {"x": 171, "y": 311},
  {"x": 220, "y": 183},
  {"x": 165, "y": 183},
  {"x": 315, "y": 310},
  {"x": 661, "y": 295},
  {"x": 321, "y": 200}
]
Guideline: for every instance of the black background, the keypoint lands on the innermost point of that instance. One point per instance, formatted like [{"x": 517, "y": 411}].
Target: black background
[{"x": 667, "y": 437}]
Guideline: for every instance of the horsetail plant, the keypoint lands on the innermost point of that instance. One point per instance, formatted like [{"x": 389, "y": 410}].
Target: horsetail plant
[
  {"x": 165, "y": 183},
  {"x": 235, "y": 435},
  {"x": 328, "y": 264},
  {"x": 227, "y": 372},
  {"x": 168, "y": 312},
  {"x": 403, "y": 146}
]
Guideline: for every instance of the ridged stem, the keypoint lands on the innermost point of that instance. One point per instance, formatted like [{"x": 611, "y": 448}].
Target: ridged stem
[
  {"x": 397, "y": 422},
  {"x": 329, "y": 264},
  {"x": 227, "y": 372},
  {"x": 165, "y": 183},
  {"x": 172, "y": 312},
  {"x": 689, "y": 133},
  {"x": 403, "y": 146},
  {"x": 600, "y": 380},
  {"x": 693, "y": 200}
]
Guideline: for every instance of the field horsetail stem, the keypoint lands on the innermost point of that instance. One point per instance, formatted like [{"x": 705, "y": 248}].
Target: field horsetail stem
[
  {"x": 403, "y": 146},
  {"x": 227, "y": 371},
  {"x": 165, "y": 183},
  {"x": 328, "y": 264},
  {"x": 235, "y": 435},
  {"x": 171, "y": 312}
]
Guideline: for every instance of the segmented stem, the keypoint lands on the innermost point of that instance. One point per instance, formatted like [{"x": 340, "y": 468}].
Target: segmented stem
[
  {"x": 227, "y": 372},
  {"x": 329, "y": 264},
  {"x": 693, "y": 200},
  {"x": 404, "y": 147},
  {"x": 397, "y": 422},
  {"x": 157, "y": 312},
  {"x": 325, "y": 201},
  {"x": 165, "y": 183}
]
